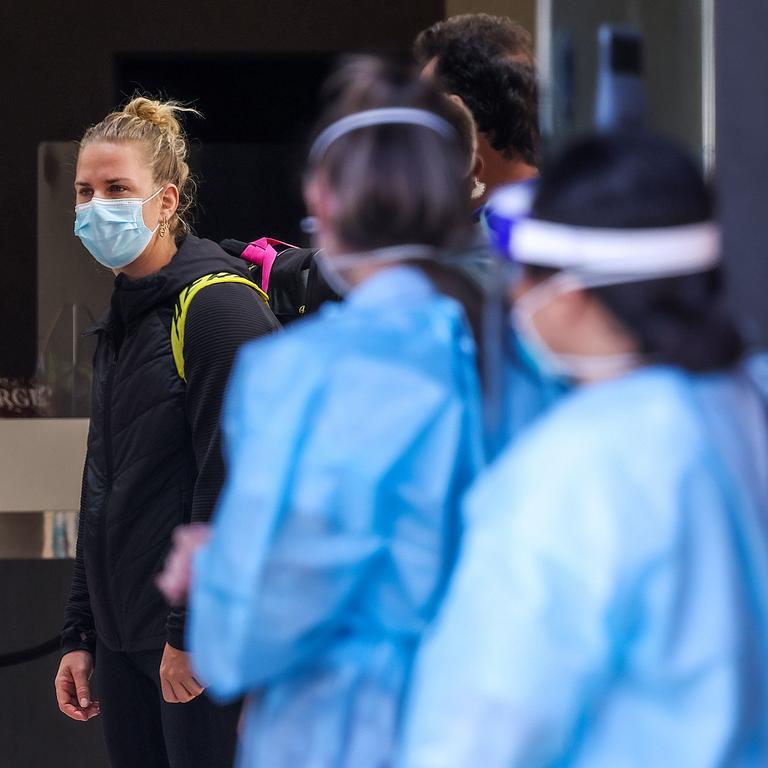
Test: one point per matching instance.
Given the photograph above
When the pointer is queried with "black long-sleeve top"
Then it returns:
(154, 454)
(220, 320)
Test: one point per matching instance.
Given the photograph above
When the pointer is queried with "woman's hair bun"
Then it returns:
(162, 114)
(156, 126)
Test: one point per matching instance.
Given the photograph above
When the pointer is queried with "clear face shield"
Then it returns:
(558, 364)
(592, 258)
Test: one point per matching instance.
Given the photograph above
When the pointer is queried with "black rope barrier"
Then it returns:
(30, 654)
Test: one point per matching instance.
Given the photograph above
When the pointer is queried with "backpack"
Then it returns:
(181, 309)
(288, 275)
(288, 281)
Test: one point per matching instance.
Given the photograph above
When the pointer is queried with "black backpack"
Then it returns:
(287, 274)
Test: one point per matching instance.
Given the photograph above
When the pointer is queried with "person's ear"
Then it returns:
(313, 198)
(320, 200)
(321, 206)
(169, 201)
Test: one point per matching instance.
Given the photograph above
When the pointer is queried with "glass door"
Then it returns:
(678, 63)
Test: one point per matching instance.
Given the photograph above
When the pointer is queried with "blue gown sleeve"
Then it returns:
(323, 490)
(264, 592)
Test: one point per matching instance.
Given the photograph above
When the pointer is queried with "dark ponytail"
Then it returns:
(400, 184)
(397, 183)
(640, 181)
(678, 321)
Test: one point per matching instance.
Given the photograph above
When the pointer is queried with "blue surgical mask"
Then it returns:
(533, 358)
(558, 365)
(114, 231)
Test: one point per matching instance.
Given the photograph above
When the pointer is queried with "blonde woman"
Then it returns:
(153, 448)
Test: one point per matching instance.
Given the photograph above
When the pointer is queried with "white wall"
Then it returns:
(41, 464)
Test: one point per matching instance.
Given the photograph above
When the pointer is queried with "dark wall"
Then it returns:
(742, 155)
(248, 149)
(59, 61)
(33, 733)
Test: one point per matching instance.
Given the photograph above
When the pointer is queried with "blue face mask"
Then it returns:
(114, 231)
(533, 359)
(567, 368)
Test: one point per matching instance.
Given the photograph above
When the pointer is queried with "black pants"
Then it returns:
(143, 731)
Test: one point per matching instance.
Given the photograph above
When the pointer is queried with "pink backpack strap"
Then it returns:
(262, 252)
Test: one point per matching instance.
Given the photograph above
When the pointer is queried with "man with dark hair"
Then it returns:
(498, 33)
(487, 63)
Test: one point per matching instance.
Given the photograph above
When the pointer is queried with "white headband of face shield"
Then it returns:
(331, 267)
(620, 255)
(593, 258)
(383, 116)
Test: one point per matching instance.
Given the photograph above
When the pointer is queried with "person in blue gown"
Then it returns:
(610, 605)
(350, 441)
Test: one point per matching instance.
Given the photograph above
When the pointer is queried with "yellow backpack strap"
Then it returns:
(182, 307)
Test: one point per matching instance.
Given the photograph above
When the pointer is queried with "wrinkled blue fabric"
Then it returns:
(529, 392)
(517, 391)
(610, 607)
(350, 440)
(757, 368)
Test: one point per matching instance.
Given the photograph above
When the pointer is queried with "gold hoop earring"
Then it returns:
(163, 231)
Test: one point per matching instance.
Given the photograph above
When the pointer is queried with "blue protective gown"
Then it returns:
(350, 440)
(528, 392)
(610, 606)
(517, 391)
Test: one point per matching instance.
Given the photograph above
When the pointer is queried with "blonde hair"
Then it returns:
(154, 125)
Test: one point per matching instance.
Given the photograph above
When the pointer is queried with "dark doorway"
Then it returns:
(249, 148)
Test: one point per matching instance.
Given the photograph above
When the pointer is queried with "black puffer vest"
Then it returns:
(140, 469)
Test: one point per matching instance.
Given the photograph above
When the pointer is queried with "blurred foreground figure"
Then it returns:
(350, 440)
(610, 607)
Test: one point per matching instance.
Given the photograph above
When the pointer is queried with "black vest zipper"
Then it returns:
(102, 542)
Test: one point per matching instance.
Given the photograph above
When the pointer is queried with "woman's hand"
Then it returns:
(175, 579)
(176, 679)
(73, 690)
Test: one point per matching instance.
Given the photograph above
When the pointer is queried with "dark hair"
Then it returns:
(638, 181)
(488, 62)
(501, 94)
(399, 184)
(499, 35)
(394, 184)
